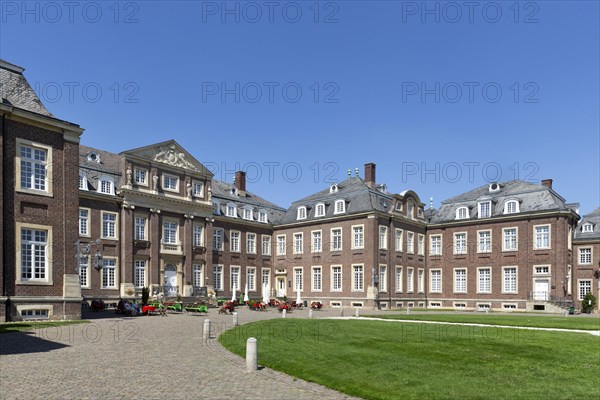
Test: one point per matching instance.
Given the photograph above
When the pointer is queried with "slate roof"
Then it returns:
(592, 218)
(106, 163)
(354, 191)
(16, 91)
(531, 197)
(221, 191)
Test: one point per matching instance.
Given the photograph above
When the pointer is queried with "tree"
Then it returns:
(588, 304)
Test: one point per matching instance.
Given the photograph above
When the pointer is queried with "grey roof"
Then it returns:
(354, 191)
(591, 218)
(16, 91)
(531, 197)
(105, 163)
(222, 192)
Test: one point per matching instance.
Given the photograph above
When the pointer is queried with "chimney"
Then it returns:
(240, 181)
(370, 175)
(547, 183)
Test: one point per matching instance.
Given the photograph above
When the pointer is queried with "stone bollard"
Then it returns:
(283, 313)
(310, 313)
(251, 355)
(341, 312)
(407, 310)
(487, 310)
(206, 329)
(356, 313)
(566, 312)
(236, 322)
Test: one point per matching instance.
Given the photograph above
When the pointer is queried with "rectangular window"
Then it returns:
(585, 287)
(281, 245)
(358, 237)
(383, 237)
(460, 243)
(33, 167)
(435, 245)
(410, 288)
(436, 281)
(218, 277)
(35, 254)
(197, 275)
(398, 239)
(484, 284)
(109, 225)
(198, 189)
(485, 242)
(421, 245)
(357, 278)
(198, 236)
(218, 239)
(399, 279)
(298, 279)
(585, 255)
(510, 242)
(251, 243)
(170, 232)
(420, 281)
(266, 277)
(298, 243)
(510, 280)
(336, 277)
(541, 270)
(109, 273)
(262, 216)
(84, 271)
(248, 214)
(84, 222)
(542, 237)
(266, 245)
(140, 228)
(460, 280)
(234, 282)
(231, 210)
(317, 279)
(140, 176)
(170, 182)
(336, 239)
(234, 241)
(485, 209)
(251, 278)
(410, 242)
(383, 278)
(106, 185)
(317, 241)
(139, 274)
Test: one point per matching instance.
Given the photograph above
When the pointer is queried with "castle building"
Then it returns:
(155, 217)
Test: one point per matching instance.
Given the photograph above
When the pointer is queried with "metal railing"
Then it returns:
(545, 296)
(168, 290)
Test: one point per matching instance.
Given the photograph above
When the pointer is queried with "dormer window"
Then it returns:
(334, 188)
(320, 210)
(93, 157)
(587, 228)
(262, 216)
(106, 185)
(382, 188)
(301, 213)
(248, 213)
(340, 207)
(511, 207)
(411, 211)
(462, 213)
(231, 210)
(217, 208)
(83, 182)
(233, 191)
(420, 212)
(399, 206)
(494, 187)
(485, 209)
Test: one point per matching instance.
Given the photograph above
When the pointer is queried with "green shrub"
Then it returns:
(588, 304)
(145, 295)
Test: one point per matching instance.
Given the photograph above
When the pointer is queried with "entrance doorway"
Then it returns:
(540, 289)
(170, 280)
(281, 286)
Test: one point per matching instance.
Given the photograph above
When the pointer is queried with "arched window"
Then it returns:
(511, 207)
(462, 213)
(106, 185)
(83, 182)
(340, 207)
(320, 210)
(301, 213)
(231, 210)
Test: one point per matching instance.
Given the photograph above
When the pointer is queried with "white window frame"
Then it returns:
(105, 273)
(298, 243)
(462, 212)
(320, 210)
(281, 245)
(420, 280)
(484, 206)
(505, 237)
(335, 245)
(383, 234)
(480, 288)
(581, 289)
(410, 242)
(235, 278)
(251, 278)
(84, 271)
(316, 284)
(432, 282)
(334, 274)
(170, 222)
(483, 245)
(383, 283)
(301, 213)
(46, 247)
(456, 283)
(420, 244)
(399, 239)
(460, 250)
(316, 242)
(505, 289)
(85, 232)
(358, 237)
(266, 275)
(435, 245)
(251, 242)
(410, 280)
(136, 227)
(198, 235)
(140, 265)
(589, 255)
(231, 210)
(235, 239)
(298, 279)
(587, 228)
(198, 275)
(263, 217)
(398, 278)
(511, 203)
(110, 181)
(541, 269)
(197, 189)
(47, 167)
(116, 225)
(83, 180)
(218, 278)
(265, 244)
(535, 237)
(358, 285)
(248, 213)
(339, 207)
(170, 177)
(218, 240)
(136, 172)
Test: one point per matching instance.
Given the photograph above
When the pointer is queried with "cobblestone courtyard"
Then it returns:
(150, 357)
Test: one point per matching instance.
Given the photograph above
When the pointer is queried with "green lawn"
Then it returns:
(538, 321)
(382, 360)
(27, 326)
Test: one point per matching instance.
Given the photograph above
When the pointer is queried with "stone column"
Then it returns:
(126, 251)
(154, 234)
(188, 254)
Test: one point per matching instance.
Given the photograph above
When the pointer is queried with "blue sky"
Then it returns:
(442, 96)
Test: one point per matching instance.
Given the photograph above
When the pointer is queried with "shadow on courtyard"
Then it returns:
(26, 342)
